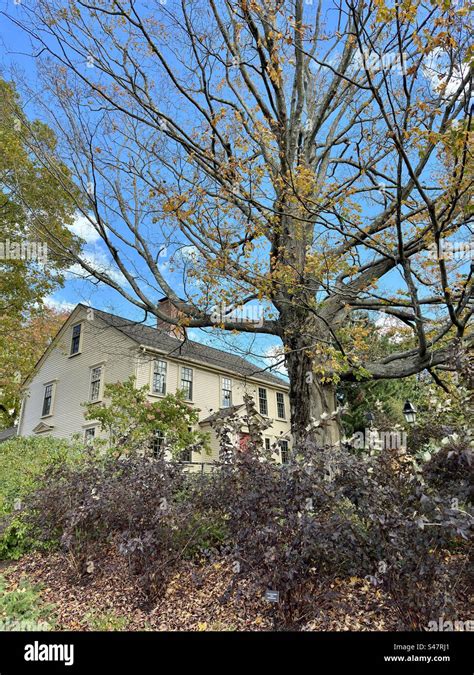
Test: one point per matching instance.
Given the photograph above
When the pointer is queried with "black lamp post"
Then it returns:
(409, 411)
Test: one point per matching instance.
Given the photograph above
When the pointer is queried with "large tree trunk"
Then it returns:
(310, 396)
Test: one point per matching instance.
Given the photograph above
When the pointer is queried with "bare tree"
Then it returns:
(314, 156)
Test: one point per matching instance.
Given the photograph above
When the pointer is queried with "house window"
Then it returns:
(262, 401)
(267, 444)
(158, 443)
(96, 376)
(89, 435)
(187, 382)
(226, 392)
(281, 405)
(47, 400)
(76, 339)
(186, 455)
(159, 377)
(285, 452)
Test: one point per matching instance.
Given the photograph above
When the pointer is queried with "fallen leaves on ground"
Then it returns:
(197, 598)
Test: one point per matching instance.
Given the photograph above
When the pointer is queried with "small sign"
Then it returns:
(272, 596)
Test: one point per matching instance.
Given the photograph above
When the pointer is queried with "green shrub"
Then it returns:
(286, 527)
(22, 608)
(23, 462)
(210, 533)
(14, 540)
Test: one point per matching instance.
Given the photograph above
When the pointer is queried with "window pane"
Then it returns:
(158, 443)
(159, 377)
(186, 455)
(285, 453)
(96, 374)
(226, 392)
(48, 397)
(262, 401)
(89, 435)
(76, 339)
(187, 382)
(281, 405)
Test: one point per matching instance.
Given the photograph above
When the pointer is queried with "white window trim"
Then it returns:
(181, 367)
(221, 391)
(266, 400)
(282, 419)
(162, 436)
(53, 399)
(101, 365)
(151, 376)
(81, 337)
(281, 449)
(86, 428)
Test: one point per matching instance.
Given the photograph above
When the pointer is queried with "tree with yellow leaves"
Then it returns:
(314, 156)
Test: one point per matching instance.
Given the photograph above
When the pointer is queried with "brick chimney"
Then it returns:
(166, 306)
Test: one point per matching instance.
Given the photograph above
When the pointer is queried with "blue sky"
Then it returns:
(17, 64)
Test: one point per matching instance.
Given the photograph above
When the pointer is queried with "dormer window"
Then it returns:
(76, 339)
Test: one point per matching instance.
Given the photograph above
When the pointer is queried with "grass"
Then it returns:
(23, 609)
(105, 621)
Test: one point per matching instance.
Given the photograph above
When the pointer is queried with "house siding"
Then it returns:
(99, 344)
(122, 357)
(207, 394)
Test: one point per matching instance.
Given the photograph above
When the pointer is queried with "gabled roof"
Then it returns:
(226, 412)
(187, 349)
(41, 427)
(222, 413)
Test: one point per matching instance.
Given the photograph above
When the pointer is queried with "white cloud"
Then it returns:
(58, 305)
(436, 68)
(92, 253)
(394, 328)
(188, 254)
(99, 261)
(274, 355)
(83, 228)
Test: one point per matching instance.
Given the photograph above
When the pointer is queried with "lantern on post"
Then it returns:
(409, 411)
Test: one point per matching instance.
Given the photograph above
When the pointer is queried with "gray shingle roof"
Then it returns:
(194, 351)
(7, 433)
